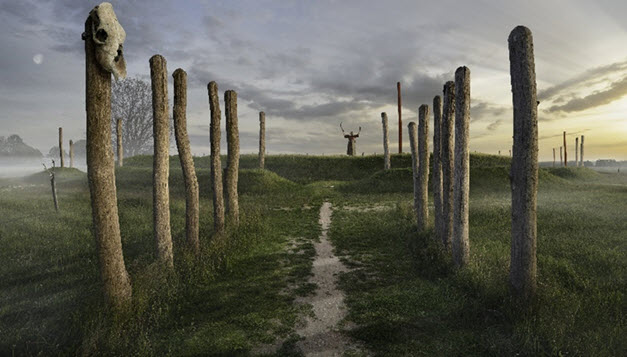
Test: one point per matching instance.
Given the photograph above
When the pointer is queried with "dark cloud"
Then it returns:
(578, 81)
(615, 91)
(494, 125)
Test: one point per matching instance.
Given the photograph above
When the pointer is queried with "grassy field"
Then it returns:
(402, 292)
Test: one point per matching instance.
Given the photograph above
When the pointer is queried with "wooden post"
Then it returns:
(386, 150)
(53, 185)
(232, 168)
(448, 162)
(161, 161)
(524, 170)
(423, 167)
(565, 154)
(561, 156)
(461, 244)
(400, 120)
(437, 165)
(101, 175)
(415, 164)
(553, 157)
(216, 164)
(187, 161)
(581, 152)
(71, 154)
(61, 147)
(577, 151)
(118, 134)
(262, 140)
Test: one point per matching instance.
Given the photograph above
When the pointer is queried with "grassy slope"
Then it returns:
(239, 294)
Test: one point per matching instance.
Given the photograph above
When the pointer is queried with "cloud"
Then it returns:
(616, 91)
(495, 124)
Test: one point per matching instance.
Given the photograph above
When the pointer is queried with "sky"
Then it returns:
(311, 65)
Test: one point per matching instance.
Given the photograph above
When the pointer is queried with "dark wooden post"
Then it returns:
(400, 120)
(262, 140)
(386, 149)
(577, 151)
(437, 165)
(553, 157)
(71, 154)
(187, 161)
(232, 168)
(565, 152)
(61, 147)
(415, 164)
(448, 162)
(461, 244)
(581, 152)
(524, 170)
(423, 167)
(216, 164)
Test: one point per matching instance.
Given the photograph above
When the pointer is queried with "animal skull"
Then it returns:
(109, 36)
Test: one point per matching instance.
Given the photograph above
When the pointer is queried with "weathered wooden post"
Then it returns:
(561, 156)
(461, 245)
(190, 180)
(423, 167)
(232, 167)
(577, 151)
(415, 165)
(386, 150)
(100, 163)
(565, 154)
(118, 134)
(71, 154)
(61, 147)
(581, 152)
(448, 162)
(216, 164)
(262, 140)
(553, 157)
(400, 120)
(53, 185)
(524, 169)
(161, 160)
(437, 165)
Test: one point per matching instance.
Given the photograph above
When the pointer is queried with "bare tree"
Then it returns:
(131, 101)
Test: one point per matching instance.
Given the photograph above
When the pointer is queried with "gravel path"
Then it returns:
(320, 334)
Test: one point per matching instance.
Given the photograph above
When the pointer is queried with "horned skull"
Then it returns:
(109, 36)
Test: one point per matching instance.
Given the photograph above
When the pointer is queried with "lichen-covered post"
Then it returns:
(100, 162)
(161, 161)
(524, 170)
(61, 147)
(577, 151)
(386, 142)
(118, 134)
(232, 167)
(581, 152)
(187, 161)
(565, 153)
(216, 164)
(415, 165)
(400, 120)
(71, 154)
(461, 244)
(262, 140)
(553, 157)
(423, 166)
(437, 165)
(447, 152)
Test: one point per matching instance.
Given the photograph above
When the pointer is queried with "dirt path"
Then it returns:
(321, 337)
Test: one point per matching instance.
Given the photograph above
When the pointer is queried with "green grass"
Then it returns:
(239, 292)
(407, 299)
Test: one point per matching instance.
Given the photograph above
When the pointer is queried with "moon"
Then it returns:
(38, 58)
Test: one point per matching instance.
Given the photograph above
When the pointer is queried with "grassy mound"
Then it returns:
(384, 181)
(257, 182)
(574, 173)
